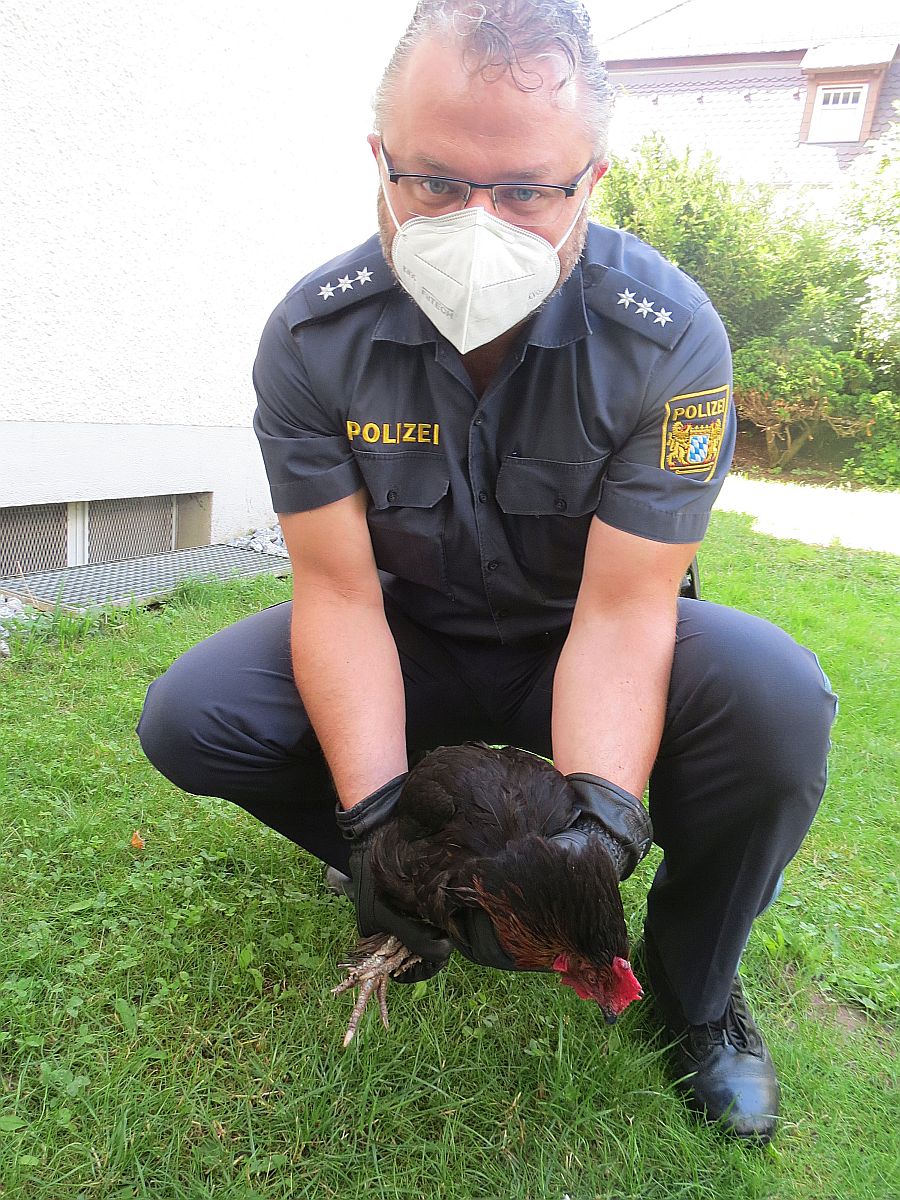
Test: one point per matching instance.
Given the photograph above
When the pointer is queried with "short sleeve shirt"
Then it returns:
(614, 403)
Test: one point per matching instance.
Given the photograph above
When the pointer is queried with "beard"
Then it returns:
(386, 230)
(569, 253)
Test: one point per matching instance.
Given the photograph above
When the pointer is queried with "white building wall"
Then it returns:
(138, 460)
(170, 170)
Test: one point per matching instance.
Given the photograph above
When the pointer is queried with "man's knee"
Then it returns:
(169, 734)
(226, 715)
(771, 694)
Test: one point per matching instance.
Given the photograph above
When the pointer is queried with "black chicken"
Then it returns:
(478, 831)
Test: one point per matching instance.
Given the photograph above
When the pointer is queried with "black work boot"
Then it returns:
(723, 1066)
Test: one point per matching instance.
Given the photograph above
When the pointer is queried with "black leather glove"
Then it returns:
(477, 941)
(605, 810)
(373, 914)
(624, 824)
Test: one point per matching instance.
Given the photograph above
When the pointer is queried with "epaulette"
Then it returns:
(338, 288)
(634, 304)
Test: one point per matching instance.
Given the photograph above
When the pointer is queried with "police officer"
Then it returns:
(494, 434)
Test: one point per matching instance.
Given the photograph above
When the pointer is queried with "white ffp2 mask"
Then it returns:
(474, 275)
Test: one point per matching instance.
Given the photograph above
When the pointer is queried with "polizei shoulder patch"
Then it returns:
(693, 427)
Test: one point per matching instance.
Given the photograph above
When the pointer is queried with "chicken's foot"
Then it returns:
(372, 964)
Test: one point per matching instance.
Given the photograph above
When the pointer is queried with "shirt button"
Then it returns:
(560, 504)
(391, 496)
(482, 496)
(478, 420)
(493, 565)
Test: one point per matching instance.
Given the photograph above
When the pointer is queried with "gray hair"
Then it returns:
(499, 36)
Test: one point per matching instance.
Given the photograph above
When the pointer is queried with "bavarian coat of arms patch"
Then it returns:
(693, 427)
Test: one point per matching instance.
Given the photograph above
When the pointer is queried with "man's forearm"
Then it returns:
(348, 675)
(609, 693)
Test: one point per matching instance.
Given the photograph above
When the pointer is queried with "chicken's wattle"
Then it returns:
(613, 988)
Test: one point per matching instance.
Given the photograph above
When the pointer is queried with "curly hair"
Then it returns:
(500, 36)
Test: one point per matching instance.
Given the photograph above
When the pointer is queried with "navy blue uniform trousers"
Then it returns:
(740, 772)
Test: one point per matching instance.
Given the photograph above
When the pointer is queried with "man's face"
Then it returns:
(445, 121)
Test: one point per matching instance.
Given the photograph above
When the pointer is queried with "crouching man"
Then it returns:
(494, 433)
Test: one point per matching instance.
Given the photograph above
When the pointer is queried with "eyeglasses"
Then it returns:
(529, 204)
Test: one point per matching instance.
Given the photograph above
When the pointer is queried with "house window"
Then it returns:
(46, 537)
(837, 114)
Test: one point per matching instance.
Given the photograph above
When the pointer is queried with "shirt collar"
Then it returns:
(403, 321)
(560, 321)
(563, 318)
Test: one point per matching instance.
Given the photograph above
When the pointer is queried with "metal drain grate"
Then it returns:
(137, 580)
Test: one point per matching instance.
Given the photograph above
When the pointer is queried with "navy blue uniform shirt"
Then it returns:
(615, 401)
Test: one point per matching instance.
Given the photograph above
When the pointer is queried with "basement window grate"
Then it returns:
(33, 537)
(130, 528)
(43, 537)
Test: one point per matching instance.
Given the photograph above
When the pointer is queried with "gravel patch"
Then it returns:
(269, 540)
(12, 613)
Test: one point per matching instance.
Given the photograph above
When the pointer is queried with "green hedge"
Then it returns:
(796, 294)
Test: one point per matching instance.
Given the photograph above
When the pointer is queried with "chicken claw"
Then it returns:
(371, 965)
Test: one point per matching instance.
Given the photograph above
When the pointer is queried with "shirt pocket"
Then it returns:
(549, 506)
(407, 514)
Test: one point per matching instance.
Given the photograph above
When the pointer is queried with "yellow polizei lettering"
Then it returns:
(390, 433)
(712, 408)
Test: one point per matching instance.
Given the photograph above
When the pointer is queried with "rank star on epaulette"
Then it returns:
(626, 298)
(340, 285)
(635, 304)
(345, 283)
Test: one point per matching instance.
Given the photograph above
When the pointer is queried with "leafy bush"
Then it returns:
(812, 308)
(871, 213)
(877, 458)
(762, 268)
(792, 390)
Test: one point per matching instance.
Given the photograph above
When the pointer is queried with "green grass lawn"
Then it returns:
(166, 1027)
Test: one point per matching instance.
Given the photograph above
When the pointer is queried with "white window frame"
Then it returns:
(78, 533)
(841, 121)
